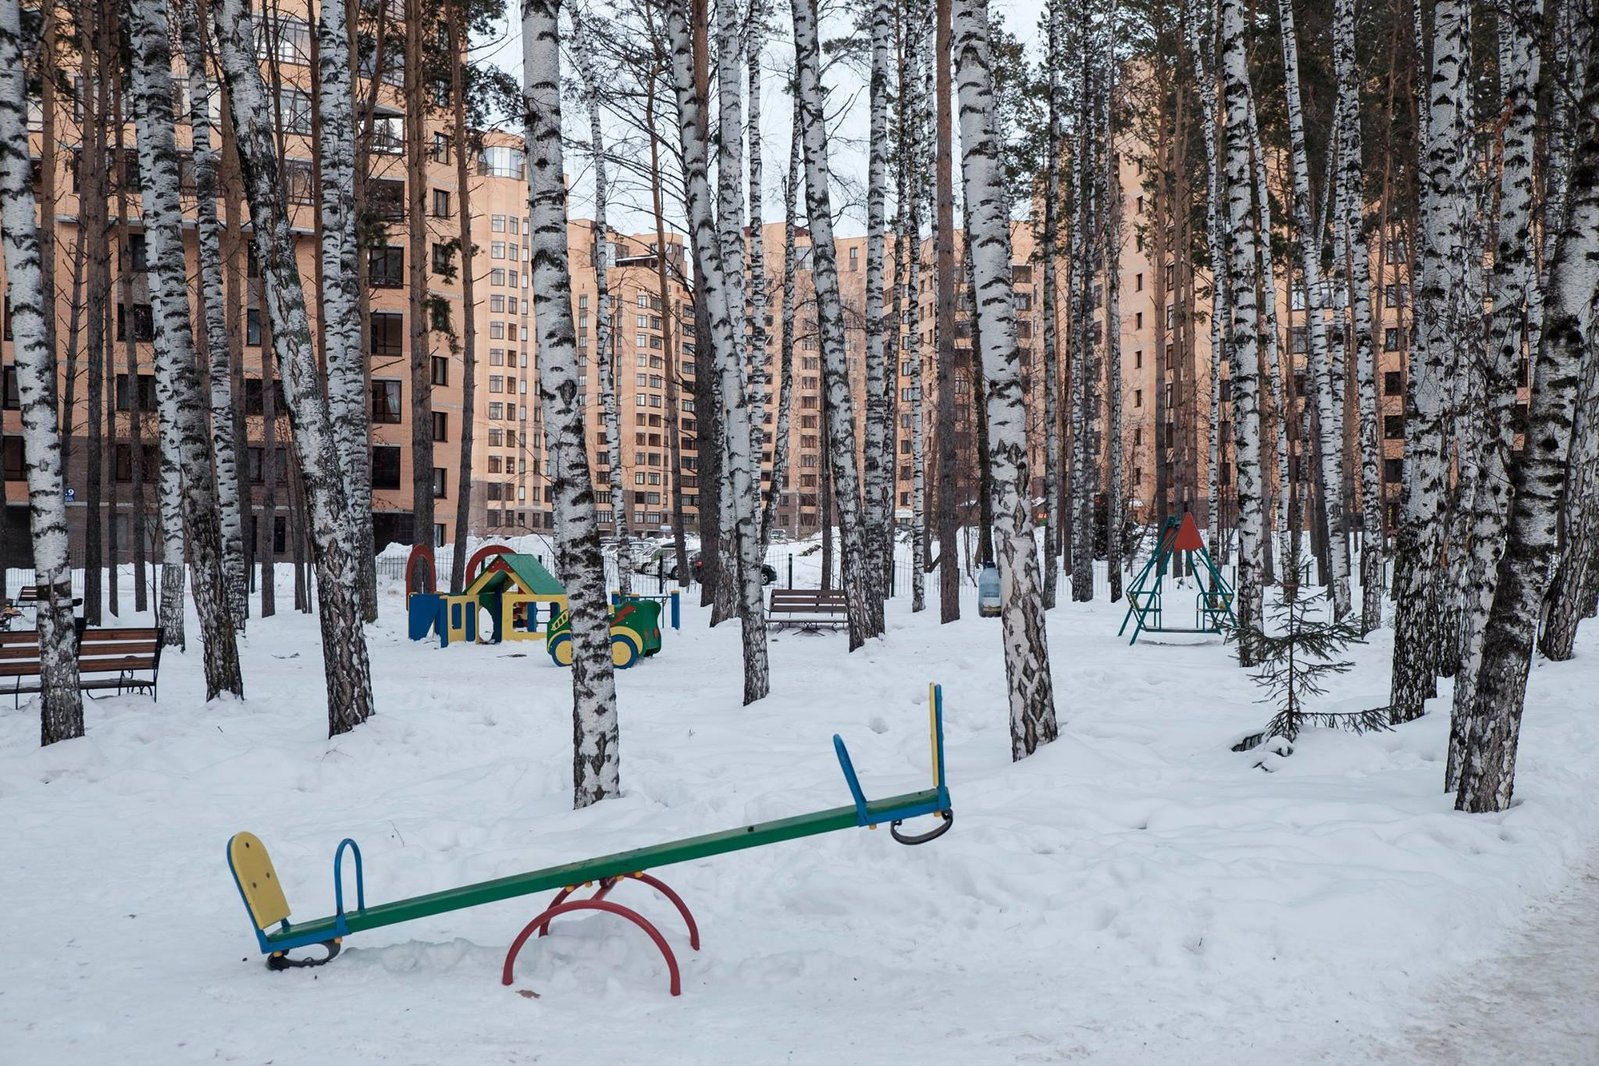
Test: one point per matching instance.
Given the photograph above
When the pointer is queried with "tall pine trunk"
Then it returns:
(948, 500)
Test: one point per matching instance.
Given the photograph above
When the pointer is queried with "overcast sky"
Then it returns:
(629, 212)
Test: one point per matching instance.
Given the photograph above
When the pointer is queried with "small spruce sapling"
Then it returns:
(1296, 661)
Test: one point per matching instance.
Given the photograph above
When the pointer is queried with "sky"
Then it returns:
(628, 211)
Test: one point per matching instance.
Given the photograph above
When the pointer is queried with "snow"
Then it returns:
(1134, 893)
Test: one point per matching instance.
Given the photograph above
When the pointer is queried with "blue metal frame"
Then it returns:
(282, 939)
(866, 817)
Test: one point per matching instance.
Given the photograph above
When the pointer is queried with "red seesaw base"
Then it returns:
(598, 902)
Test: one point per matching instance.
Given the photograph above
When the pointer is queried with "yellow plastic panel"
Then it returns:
(252, 867)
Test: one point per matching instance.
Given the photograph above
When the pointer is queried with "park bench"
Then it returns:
(119, 659)
(807, 608)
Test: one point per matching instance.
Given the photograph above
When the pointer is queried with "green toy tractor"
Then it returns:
(635, 632)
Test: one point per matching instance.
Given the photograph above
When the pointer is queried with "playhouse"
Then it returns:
(512, 587)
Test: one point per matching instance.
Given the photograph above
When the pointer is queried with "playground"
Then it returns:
(1135, 893)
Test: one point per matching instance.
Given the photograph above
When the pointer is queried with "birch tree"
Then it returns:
(838, 412)
(1329, 444)
(1027, 670)
(605, 347)
(878, 459)
(61, 704)
(1053, 61)
(1114, 494)
(208, 246)
(1084, 343)
(1490, 734)
(1244, 347)
(785, 340)
(713, 295)
(1513, 282)
(1442, 329)
(344, 654)
(345, 355)
(182, 409)
(913, 109)
(595, 762)
(1349, 152)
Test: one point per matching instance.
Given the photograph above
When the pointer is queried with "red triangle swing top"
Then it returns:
(1188, 538)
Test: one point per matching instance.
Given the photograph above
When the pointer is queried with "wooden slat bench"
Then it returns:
(807, 608)
(30, 595)
(119, 659)
(108, 659)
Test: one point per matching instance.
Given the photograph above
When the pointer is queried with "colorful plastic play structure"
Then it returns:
(635, 633)
(268, 907)
(1213, 600)
(514, 588)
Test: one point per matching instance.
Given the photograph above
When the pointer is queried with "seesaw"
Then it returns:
(263, 896)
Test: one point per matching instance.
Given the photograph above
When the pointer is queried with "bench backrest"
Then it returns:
(19, 653)
(100, 650)
(808, 600)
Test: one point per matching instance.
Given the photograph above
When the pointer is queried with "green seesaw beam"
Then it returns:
(263, 896)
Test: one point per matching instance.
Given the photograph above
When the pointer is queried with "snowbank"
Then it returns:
(1135, 893)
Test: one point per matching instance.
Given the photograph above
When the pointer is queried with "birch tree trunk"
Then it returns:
(595, 768)
(839, 410)
(1349, 152)
(1245, 260)
(1202, 43)
(345, 352)
(730, 231)
(99, 546)
(757, 381)
(186, 446)
(1054, 58)
(949, 602)
(1488, 751)
(878, 461)
(61, 705)
(1084, 357)
(208, 241)
(344, 654)
(914, 101)
(605, 346)
(742, 479)
(1027, 669)
(1445, 200)
(1513, 280)
(1113, 328)
(1329, 444)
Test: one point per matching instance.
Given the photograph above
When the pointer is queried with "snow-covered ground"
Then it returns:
(1134, 893)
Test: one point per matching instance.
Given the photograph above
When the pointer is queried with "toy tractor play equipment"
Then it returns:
(635, 633)
(1213, 600)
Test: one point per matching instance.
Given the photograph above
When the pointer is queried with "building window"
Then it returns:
(385, 466)
(1138, 397)
(1393, 382)
(441, 199)
(502, 161)
(1392, 339)
(444, 259)
(1393, 471)
(388, 333)
(441, 370)
(296, 107)
(146, 397)
(385, 401)
(1393, 427)
(441, 485)
(441, 427)
(441, 154)
(385, 266)
(143, 322)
